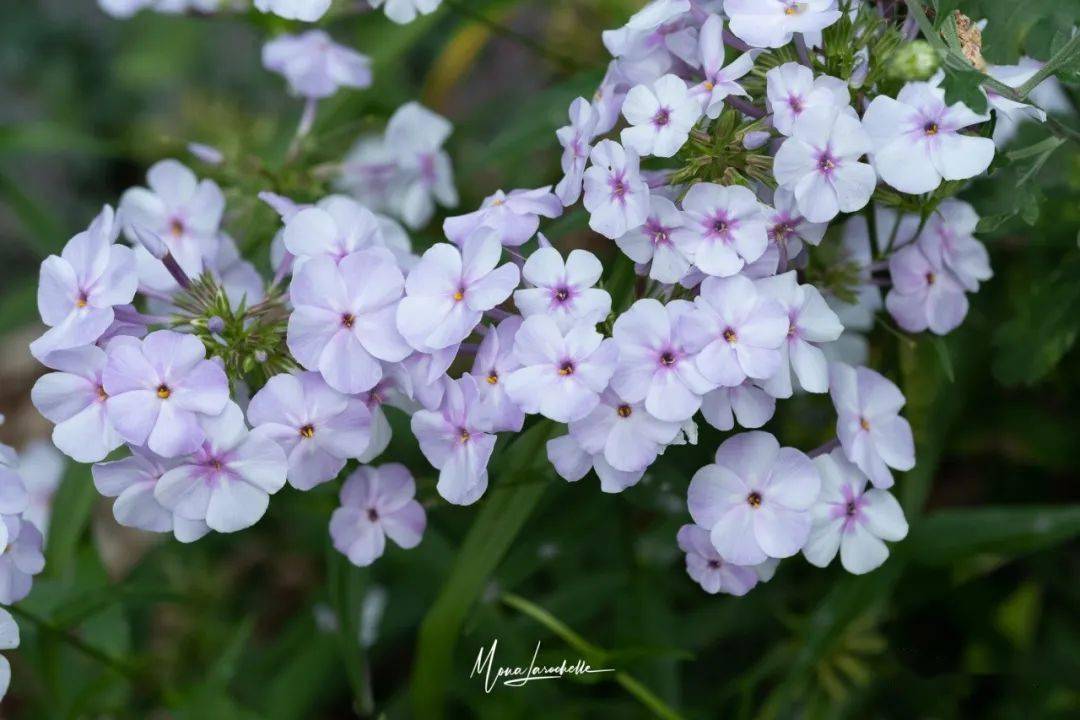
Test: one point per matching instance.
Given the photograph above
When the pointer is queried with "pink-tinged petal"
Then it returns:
(752, 405)
(715, 258)
(545, 268)
(175, 433)
(493, 288)
(794, 160)
(310, 465)
(568, 458)
(60, 395)
(877, 394)
(758, 363)
(894, 443)
(854, 184)
(713, 491)
(463, 479)
(479, 256)
(347, 366)
(235, 505)
(312, 232)
(172, 181)
(172, 354)
(671, 400)
(909, 311)
(438, 273)
(119, 281)
(860, 551)
(780, 532)
(378, 333)
(719, 363)
(406, 525)
(794, 482)
(87, 436)
(583, 269)
(734, 538)
(750, 455)
(816, 197)
(188, 531)
(310, 330)
(346, 433)
(945, 309)
(134, 414)
(372, 278)
(362, 541)
(456, 325)
(184, 490)
(612, 480)
(260, 462)
(138, 508)
(883, 515)
(823, 542)
(203, 390)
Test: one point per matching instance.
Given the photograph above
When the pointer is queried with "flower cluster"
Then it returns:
(399, 11)
(757, 163)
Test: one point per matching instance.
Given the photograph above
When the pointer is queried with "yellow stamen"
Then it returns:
(307, 431)
(459, 296)
(164, 392)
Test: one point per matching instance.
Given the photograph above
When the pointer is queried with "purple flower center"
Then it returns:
(754, 500)
(82, 300)
(427, 168)
(102, 395)
(561, 294)
(668, 358)
(373, 515)
(618, 187)
(463, 435)
(930, 278)
(658, 234)
(930, 129)
(347, 320)
(566, 367)
(781, 230)
(731, 336)
(826, 163)
(662, 117)
(795, 103)
(714, 564)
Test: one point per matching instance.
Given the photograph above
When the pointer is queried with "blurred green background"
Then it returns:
(975, 615)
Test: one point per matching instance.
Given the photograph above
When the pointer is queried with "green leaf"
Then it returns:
(71, 515)
(965, 85)
(500, 519)
(948, 536)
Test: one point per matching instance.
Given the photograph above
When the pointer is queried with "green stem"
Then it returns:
(70, 638)
(1061, 57)
(564, 62)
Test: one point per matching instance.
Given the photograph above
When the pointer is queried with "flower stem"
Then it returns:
(120, 666)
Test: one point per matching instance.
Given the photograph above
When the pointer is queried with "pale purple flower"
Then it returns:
(652, 35)
(1047, 96)
(705, 566)
(949, 239)
(206, 153)
(572, 462)
(80, 287)
(563, 291)
(723, 228)
(616, 196)
(74, 398)
(748, 403)
(851, 519)
(314, 65)
(868, 424)
(21, 559)
(627, 436)
(414, 139)
(405, 11)
(179, 209)
(771, 23)
(42, 467)
(158, 389)
(457, 441)
(495, 360)
(924, 295)
(335, 227)
(14, 501)
(576, 139)
(227, 482)
(792, 90)
(719, 80)
(755, 500)
(343, 321)
(810, 323)
(514, 217)
(608, 99)
(9, 640)
(788, 228)
(743, 331)
(658, 345)
(317, 427)
(376, 503)
(132, 481)
(305, 10)
(562, 373)
(820, 164)
(660, 117)
(654, 242)
(448, 291)
(917, 141)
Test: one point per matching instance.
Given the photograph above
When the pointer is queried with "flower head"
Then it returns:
(576, 139)
(514, 216)
(792, 90)
(305, 10)
(626, 434)
(563, 291)
(335, 227)
(405, 11)
(654, 242)
(376, 503)
(422, 173)
(708, 569)
(21, 559)
(719, 80)
(616, 196)
(949, 239)
(495, 360)
(925, 295)
(771, 23)
(723, 228)
(660, 117)
(314, 65)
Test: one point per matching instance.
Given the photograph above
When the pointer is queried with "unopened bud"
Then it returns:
(215, 324)
(207, 153)
(915, 61)
(152, 242)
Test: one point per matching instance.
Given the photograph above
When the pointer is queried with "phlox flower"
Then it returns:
(9, 640)
(654, 242)
(14, 500)
(576, 139)
(317, 427)
(743, 330)
(868, 425)
(652, 35)
(747, 402)
(305, 10)
(616, 196)
(562, 373)
(771, 23)
(376, 503)
(705, 566)
(820, 164)
(924, 295)
(755, 500)
(1047, 96)
(343, 318)
(414, 138)
(660, 117)
(627, 436)
(335, 227)
(917, 141)
(457, 441)
(21, 559)
(74, 398)
(658, 345)
(791, 90)
(132, 481)
(159, 387)
(723, 228)
(405, 11)
(851, 519)
(949, 239)
(788, 228)
(314, 65)
(80, 287)
(719, 79)
(184, 212)
(227, 482)
(448, 291)
(572, 462)
(563, 291)
(495, 360)
(514, 216)
(810, 322)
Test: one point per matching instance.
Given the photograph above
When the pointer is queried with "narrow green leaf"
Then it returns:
(502, 516)
(71, 515)
(951, 535)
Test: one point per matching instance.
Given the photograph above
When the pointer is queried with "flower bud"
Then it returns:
(153, 244)
(215, 324)
(915, 61)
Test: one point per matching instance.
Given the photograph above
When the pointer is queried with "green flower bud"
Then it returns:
(916, 60)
